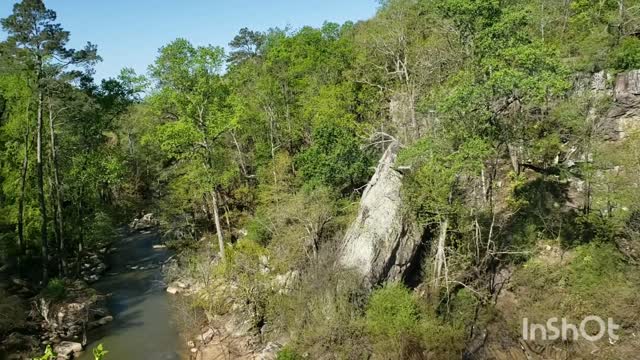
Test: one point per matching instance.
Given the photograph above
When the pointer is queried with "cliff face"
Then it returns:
(381, 243)
(625, 114)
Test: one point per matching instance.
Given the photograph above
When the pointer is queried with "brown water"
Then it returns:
(143, 328)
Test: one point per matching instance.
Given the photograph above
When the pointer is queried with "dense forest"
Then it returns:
(511, 125)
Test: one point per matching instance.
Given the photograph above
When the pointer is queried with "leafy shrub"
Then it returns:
(99, 352)
(593, 279)
(323, 312)
(391, 320)
(446, 338)
(391, 311)
(257, 231)
(56, 290)
(626, 55)
(334, 159)
(48, 354)
(287, 353)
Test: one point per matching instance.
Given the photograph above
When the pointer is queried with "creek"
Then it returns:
(143, 327)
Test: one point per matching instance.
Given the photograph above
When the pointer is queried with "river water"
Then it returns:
(143, 328)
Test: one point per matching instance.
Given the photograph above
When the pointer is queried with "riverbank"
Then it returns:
(58, 315)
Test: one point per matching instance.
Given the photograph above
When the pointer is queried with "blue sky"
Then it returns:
(129, 32)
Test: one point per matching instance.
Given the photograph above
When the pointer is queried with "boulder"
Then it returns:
(269, 352)
(67, 348)
(147, 221)
(173, 290)
(207, 336)
(381, 243)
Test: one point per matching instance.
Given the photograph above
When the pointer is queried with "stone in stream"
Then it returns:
(67, 348)
(173, 290)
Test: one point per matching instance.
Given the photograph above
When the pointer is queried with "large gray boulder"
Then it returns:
(381, 243)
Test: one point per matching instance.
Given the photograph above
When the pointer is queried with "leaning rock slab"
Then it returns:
(381, 243)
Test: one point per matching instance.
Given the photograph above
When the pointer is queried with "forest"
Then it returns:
(509, 129)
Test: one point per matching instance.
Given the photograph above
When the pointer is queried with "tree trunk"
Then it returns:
(216, 217)
(41, 198)
(243, 167)
(513, 155)
(57, 190)
(23, 183)
(80, 231)
(440, 252)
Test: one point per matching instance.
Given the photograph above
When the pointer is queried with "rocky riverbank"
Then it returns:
(60, 315)
(234, 333)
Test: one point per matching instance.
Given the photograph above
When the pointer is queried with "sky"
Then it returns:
(130, 32)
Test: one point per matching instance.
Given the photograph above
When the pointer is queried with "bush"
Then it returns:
(323, 312)
(288, 353)
(257, 231)
(56, 290)
(626, 55)
(593, 279)
(335, 159)
(391, 320)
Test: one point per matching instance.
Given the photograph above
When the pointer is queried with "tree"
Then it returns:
(248, 44)
(32, 29)
(192, 95)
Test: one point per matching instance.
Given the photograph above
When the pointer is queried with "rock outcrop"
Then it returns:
(381, 243)
(67, 349)
(68, 319)
(147, 221)
(624, 116)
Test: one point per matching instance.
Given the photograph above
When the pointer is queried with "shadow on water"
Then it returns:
(143, 327)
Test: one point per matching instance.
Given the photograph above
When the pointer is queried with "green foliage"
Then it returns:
(334, 159)
(56, 290)
(392, 312)
(438, 173)
(593, 280)
(48, 354)
(99, 353)
(626, 55)
(288, 353)
(478, 92)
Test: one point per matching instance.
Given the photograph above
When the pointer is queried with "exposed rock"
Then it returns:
(101, 322)
(67, 348)
(625, 114)
(147, 221)
(284, 282)
(381, 243)
(207, 336)
(173, 290)
(67, 319)
(269, 352)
